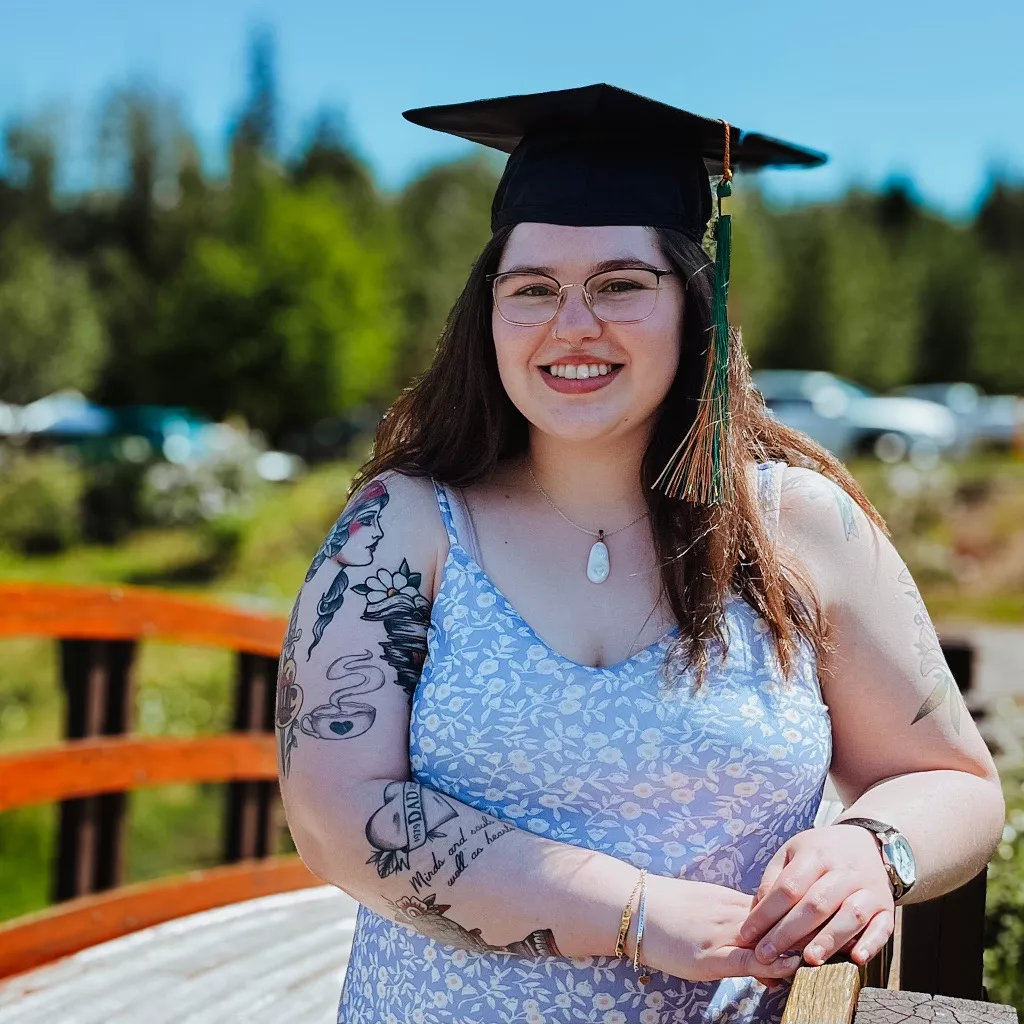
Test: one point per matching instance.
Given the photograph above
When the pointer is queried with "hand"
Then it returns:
(825, 890)
(692, 932)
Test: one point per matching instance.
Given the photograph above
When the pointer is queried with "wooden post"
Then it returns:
(943, 944)
(250, 805)
(97, 679)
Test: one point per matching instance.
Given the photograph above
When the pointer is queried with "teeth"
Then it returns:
(578, 371)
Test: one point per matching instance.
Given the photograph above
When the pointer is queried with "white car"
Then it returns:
(848, 419)
(995, 421)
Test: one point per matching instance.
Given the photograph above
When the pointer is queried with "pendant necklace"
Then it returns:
(598, 563)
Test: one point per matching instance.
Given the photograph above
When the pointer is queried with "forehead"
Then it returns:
(563, 246)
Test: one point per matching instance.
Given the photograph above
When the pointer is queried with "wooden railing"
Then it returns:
(936, 949)
(98, 629)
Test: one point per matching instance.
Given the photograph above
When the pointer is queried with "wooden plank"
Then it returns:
(883, 1006)
(275, 960)
(943, 942)
(96, 676)
(118, 763)
(36, 939)
(249, 811)
(823, 995)
(134, 613)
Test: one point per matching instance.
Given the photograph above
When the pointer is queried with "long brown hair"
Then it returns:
(455, 422)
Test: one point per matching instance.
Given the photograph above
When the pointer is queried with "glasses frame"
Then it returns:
(587, 297)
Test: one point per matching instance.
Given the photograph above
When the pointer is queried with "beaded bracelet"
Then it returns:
(627, 916)
(644, 977)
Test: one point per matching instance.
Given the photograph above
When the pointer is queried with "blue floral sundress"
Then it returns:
(704, 787)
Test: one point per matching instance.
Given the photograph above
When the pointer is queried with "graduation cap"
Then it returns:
(600, 155)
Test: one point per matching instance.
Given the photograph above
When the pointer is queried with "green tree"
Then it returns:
(443, 221)
(51, 336)
(288, 318)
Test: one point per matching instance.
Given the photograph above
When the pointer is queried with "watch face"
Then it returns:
(902, 859)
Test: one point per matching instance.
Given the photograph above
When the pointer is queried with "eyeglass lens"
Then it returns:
(618, 296)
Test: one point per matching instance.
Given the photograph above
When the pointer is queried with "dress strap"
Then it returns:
(451, 503)
(769, 492)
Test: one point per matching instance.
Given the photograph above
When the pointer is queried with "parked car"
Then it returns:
(848, 419)
(983, 421)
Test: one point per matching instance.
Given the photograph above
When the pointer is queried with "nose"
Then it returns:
(574, 320)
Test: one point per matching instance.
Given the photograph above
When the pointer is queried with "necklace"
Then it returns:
(598, 563)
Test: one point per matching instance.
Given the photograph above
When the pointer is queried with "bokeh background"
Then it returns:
(223, 251)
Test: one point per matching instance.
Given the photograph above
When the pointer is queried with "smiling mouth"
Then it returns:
(580, 371)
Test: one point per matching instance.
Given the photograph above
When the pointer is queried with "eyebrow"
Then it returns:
(617, 263)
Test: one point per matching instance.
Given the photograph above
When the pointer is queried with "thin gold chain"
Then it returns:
(600, 533)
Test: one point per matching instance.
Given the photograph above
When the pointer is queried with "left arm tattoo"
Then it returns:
(933, 662)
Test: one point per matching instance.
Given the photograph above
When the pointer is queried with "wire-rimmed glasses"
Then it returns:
(622, 296)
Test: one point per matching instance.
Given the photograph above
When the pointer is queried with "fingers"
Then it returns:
(818, 904)
(875, 936)
(789, 889)
(771, 872)
(742, 962)
(858, 911)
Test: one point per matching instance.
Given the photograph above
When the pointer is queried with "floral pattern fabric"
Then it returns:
(704, 787)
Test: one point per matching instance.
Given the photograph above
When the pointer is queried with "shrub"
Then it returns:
(40, 497)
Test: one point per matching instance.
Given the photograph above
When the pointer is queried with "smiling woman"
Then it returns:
(585, 789)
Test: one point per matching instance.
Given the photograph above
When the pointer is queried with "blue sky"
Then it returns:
(933, 92)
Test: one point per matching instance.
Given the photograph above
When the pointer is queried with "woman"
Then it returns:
(630, 699)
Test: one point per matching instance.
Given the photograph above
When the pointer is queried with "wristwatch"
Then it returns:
(897, 856)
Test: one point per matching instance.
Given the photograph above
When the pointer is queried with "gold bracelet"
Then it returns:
(645, 977)
(627, 915)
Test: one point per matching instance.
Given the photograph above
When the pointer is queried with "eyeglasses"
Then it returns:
(620, 296)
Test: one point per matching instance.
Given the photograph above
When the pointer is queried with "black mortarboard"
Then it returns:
(602, 155)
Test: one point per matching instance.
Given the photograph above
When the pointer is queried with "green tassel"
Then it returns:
(699, 469)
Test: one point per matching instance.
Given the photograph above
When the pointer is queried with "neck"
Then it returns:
(595, 485)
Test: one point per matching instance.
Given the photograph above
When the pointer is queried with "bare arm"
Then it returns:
(354, 649)
(905, 749)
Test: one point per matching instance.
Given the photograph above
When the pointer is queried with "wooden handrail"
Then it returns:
(119, 763)
(823, 995)
(68, 927)
(134, 613)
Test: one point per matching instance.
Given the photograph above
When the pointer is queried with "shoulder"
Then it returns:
(402, 514)
(826, 528)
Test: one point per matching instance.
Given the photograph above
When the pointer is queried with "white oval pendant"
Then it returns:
(598, 566)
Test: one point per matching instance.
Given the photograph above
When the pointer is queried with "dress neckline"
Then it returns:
(510, 609)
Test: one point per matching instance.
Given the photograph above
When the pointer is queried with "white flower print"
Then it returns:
(603, 1001)
(600, 759)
